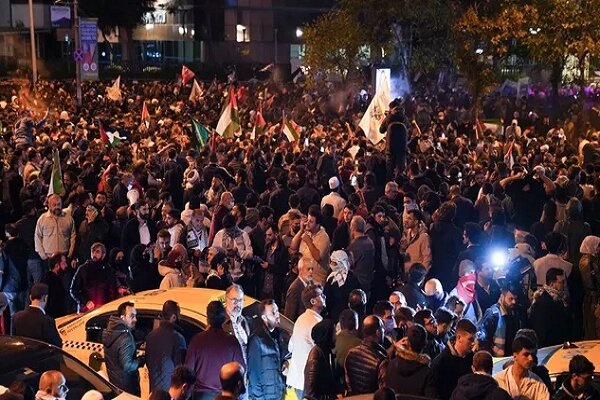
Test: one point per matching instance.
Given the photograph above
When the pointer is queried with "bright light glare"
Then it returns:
(299, 32)
(499, 258)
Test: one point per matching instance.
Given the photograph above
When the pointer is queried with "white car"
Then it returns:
(82, 333)
(556, 358)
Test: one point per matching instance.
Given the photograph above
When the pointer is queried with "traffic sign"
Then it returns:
(78, 55)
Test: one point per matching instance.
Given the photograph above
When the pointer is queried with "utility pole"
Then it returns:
(77, 44)
(32, 40)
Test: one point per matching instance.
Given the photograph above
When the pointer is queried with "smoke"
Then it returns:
(399, 85)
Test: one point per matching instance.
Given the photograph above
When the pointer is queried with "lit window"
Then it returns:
(242, 33)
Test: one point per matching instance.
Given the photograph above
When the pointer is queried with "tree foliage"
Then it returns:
(334, 43)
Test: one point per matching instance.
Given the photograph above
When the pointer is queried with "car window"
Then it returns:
(28, 368)
(95, 326)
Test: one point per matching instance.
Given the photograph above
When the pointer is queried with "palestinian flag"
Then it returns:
(289, 128)
(111, 138)
(229, 123)
(56, 182)
(259, 124)
(199, 135)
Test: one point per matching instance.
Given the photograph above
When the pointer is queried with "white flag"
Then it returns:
(196, 93)
(114, 92)
(375, 113)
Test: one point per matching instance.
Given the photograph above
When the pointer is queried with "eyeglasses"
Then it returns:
(236, 300)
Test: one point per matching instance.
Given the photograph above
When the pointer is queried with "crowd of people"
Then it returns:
(405, 264)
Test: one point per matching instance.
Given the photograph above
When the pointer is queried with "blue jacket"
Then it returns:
(266, 353)
(165, 349)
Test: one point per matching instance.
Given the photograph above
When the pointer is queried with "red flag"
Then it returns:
(145, 113)
(186, 75)
(233, 99)
(103, 134)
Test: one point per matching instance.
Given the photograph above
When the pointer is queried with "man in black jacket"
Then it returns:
(266, 354)
(548, 315)
(165, 347)
(119, 350)
(480, 384)
(408, 371)
(396, 138)
(455, 360)
(139, 229)
(33, 321)
(364, 362)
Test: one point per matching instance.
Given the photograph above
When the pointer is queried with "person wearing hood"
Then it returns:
(172, 268)
(408, 371)
(95, 282)
(578, 384)
(340, 282)
(319, 371)
(588, 274)
(116, 259)
(548, 314)
(415, 242)
(120, 351)
(165, 347)
(363, 364)
(480, 384)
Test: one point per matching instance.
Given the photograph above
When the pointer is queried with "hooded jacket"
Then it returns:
(119, 354)
(478, 387)
(409, 373)
(173, 277)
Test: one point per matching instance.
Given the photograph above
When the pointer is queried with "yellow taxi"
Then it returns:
(82, 333)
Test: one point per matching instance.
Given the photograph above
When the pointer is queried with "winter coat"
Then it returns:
(566, 392)
(549, 319)
(337, 297)
(363, 367)
(319, 376)
(446, 244)
(119, 355)
(448, 368)
(266, 354)
(589, 270)
(409, 373)
(497, 329)
(478, 387)
(165, 349)
(94, 281)
(417, 249)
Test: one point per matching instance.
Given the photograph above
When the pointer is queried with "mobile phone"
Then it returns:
(322, 149)
(305, 142)
(353, 181)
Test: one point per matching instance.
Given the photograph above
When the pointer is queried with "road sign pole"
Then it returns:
(77, 44)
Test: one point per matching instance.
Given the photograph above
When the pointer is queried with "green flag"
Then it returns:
(199, 134)
(56, 182)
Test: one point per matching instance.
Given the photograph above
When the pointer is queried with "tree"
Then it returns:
(562, 28)
(483, 36)
(334, 43)
(122, 14)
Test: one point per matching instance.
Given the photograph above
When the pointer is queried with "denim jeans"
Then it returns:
(35, 271)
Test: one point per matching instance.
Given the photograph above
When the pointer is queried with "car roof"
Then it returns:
(193, 299)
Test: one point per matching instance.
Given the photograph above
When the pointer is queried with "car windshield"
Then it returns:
(21, 362)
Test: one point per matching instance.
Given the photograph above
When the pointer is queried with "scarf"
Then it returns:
(556, 295)
(466, 288)
(338, 276)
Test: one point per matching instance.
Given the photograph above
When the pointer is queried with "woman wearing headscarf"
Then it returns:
(116, 259)
(319, 372)
(172, 268)
(340, 282)
(589, 269)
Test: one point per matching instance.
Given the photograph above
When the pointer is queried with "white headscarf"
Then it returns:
(590, 245)
(339, 272)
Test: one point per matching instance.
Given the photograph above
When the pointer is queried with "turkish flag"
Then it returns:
(186, 75)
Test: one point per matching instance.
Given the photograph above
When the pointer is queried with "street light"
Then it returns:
(181, 30)
(32, 40)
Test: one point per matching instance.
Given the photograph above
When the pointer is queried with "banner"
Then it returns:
(60, 16)
(371, 120)
(88, 34)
